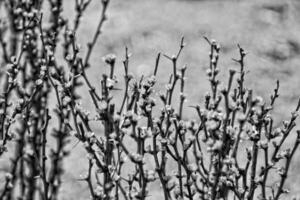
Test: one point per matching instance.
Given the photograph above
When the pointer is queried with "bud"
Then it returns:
(38, 82)
(109, 59)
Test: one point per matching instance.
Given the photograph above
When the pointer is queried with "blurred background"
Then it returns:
(269, 30)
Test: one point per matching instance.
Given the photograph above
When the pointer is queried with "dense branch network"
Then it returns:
(147, 136)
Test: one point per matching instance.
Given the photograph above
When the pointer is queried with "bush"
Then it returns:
(233, 151)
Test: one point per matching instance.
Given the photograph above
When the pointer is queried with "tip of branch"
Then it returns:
(298, 105)
(235, 60)
(182, 44)
(156, 63)
(194, 106)
(168, 57)
(207, 40)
